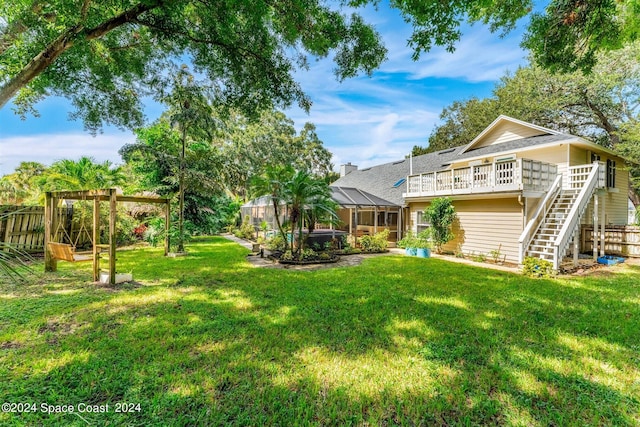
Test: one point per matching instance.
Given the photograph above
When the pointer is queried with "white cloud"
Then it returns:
(47, 148)
(479, 56)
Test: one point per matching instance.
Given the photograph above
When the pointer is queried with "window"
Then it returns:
(611, 174)
(420, 222)
(399, 183)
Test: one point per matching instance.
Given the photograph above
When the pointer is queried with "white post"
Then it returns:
(603, 221)
(595, 227)
(576, 239)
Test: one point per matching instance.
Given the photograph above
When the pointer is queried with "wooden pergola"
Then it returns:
(106, 195)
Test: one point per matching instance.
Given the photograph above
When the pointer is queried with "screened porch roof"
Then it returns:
(349, 197)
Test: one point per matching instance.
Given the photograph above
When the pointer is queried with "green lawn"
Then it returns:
(210, 340)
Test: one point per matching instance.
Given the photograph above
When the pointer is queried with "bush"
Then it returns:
(275, 243)
(154, 232)
(308, 254)
(441, 214)
(408, 241)
(537, 267)
(376, 243)
(246, 230)
(125, 228)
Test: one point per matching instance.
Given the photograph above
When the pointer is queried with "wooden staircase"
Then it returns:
(556, 222)
(541, 245)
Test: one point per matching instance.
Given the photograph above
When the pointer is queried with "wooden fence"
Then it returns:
(22, 227)
(621, 240)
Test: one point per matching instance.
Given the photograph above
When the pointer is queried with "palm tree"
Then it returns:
(272, 184)
(303, 193)
(83, 174)
(191, 112)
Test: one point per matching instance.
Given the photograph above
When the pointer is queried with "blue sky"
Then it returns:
(365, 120)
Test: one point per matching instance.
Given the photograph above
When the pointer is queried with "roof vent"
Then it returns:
(447, 151)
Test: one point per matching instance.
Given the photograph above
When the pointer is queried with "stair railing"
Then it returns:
(571, 222)
(538, 218)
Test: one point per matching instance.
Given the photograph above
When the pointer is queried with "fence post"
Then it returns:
(50, 263)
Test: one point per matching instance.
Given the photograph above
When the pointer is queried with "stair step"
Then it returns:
(540, 255)
(540, 252)
(543, 242)
(541, 249)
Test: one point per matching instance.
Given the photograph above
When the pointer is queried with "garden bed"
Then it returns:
(310, 261)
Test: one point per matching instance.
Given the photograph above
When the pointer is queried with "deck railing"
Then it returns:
(517, 174)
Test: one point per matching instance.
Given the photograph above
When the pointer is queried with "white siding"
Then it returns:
(485, 225)
(617, 200)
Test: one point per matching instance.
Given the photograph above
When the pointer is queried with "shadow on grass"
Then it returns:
(394, 341)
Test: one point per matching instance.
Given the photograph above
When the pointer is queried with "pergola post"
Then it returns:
(112, 235)
(51, 221)
(96, 238)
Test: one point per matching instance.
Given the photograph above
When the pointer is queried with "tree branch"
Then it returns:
(17, 27)
(605, 123)
(64, 42)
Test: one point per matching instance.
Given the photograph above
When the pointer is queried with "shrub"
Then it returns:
(408, 241)
(479, 258)
(376, 243)
(275, 243)
(139, 231)
(308, 254)
(287, 256)
(154, 232)
(441, 215)
(496, 254)
(246, 230)
(424, 239)
(537, 267)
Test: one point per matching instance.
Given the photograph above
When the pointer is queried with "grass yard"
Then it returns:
(209, 340)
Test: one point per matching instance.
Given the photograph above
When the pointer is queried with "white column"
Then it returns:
(595, 227)
(602, 226)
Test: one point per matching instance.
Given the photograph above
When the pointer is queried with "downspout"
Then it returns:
(524, 210)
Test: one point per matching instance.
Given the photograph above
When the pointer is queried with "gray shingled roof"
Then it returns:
(379, 180)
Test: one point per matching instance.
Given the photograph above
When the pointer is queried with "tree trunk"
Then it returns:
(276, 213)
(181, 184)
(634, 196)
